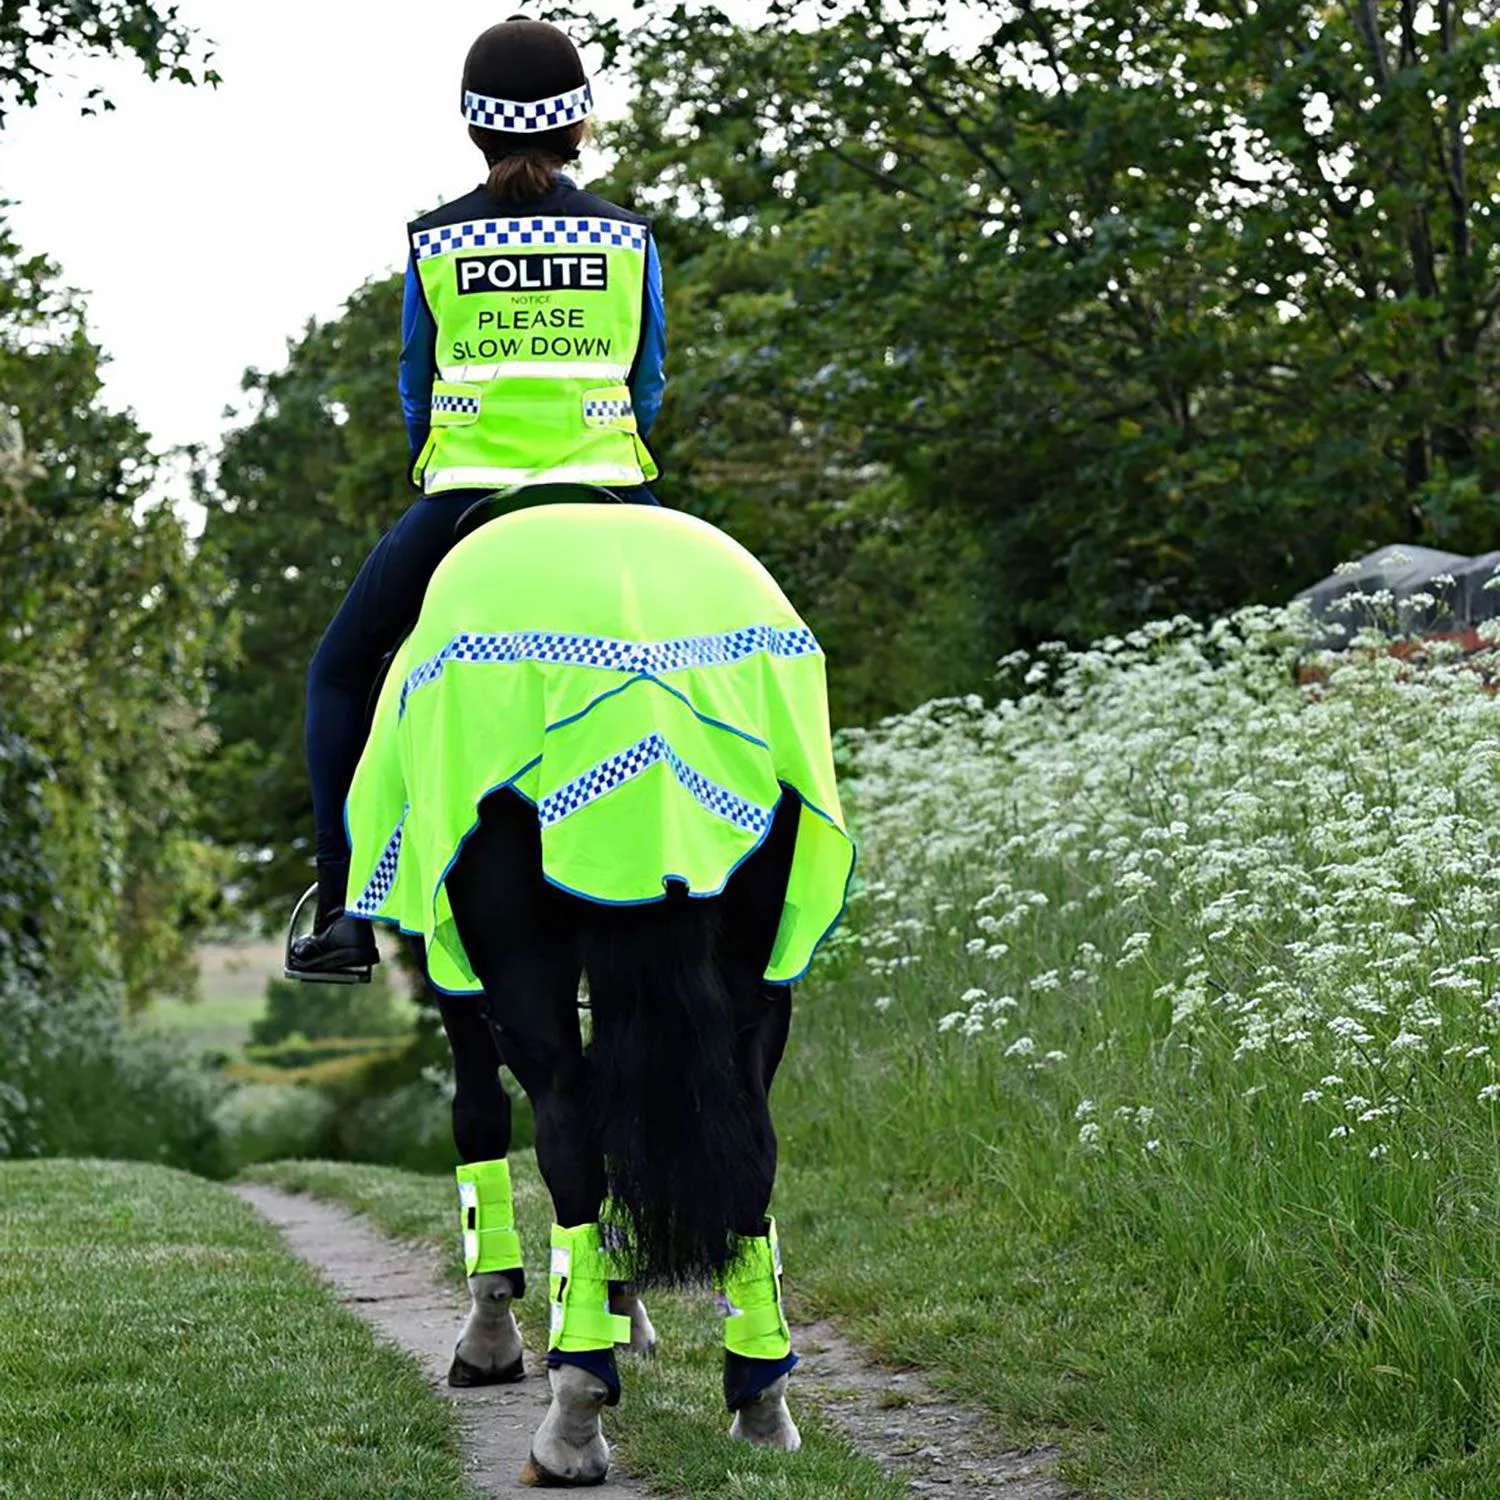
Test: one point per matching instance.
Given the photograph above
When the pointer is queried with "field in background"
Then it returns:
(233, 979)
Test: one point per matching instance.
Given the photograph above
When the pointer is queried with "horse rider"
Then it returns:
(533, 345)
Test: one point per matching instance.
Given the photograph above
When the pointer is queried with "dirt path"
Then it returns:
(399, 1290)
(941, 1448)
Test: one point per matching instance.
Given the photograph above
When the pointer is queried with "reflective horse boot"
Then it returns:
(489, 1350)
(340, 949)
(569, 1447)
(757, 1345)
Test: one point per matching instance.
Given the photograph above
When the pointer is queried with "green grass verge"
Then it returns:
(156, 1341)
(670, 1426)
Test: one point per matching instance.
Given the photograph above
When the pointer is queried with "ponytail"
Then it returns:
(524, 173)
(523, 178)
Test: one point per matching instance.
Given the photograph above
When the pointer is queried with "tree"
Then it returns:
(37, 34)
(1179, 304)
(303, 491)
(104, 627)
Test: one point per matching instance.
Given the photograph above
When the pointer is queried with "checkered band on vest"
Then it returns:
(499, 234)
(384, 878)
(467, 405)
(646, 658)
(608, 410)
(524, 116)
(628, 764)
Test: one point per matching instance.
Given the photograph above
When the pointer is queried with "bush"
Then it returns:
(1197, 971)
(271, 1121)
(75, 1080)
(316, 1011)
(299, 1055)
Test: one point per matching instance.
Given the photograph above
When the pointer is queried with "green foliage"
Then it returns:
(1175, 308)
(317, 1012)
(74, 1080)
(37, 35)
(302, 492)
(105, 624)
(272, 1121)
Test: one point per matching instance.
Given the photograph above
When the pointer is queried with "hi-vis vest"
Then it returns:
(540, 312)
(640, 679)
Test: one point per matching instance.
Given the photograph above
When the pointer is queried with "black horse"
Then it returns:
(664, 1109)
(653, 1126)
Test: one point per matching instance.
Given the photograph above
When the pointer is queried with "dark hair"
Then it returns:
(523, 176)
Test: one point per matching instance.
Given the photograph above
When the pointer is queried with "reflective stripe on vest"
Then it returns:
(538, 324)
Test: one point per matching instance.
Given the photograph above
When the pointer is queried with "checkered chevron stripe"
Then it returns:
(521, 115)
(502, 234)
(628, 764)
(465, 405)
(607, 409)
(379, 887)
(649, 658)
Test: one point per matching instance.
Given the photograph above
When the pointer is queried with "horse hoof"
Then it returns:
(765, 1421)
(462, 1373)
(539, 1477)
(489, 1350)
(569, 1447)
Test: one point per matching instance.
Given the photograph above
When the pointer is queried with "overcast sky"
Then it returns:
(254, 206)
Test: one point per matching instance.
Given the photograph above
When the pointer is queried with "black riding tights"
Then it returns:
(377, 611)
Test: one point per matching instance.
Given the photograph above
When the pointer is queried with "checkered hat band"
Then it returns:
(645, 658)
(526, 116)
(628, 764)
(468, 405)
(500, 234)
(373, 896)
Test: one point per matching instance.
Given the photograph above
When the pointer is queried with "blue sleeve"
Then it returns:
(418, 344)
(650, 372)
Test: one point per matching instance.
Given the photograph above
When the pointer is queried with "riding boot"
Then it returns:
(338, 944)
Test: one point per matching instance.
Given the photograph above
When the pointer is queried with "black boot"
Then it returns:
(340, 949)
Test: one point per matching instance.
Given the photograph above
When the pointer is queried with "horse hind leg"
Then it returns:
(518, 937)
(625, 1301)
(569, 1447)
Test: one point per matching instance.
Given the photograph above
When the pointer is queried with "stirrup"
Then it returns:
(355, 973)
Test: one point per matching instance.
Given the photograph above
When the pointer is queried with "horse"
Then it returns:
(686, 876)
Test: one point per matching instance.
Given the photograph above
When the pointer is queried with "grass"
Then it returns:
(670, 1427)
(1153, 1098)
(157, 1342)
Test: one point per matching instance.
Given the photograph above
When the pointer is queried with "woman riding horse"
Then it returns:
(603, 753)
(532, 349)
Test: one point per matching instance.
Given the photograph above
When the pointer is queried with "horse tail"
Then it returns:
(681, 1146)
